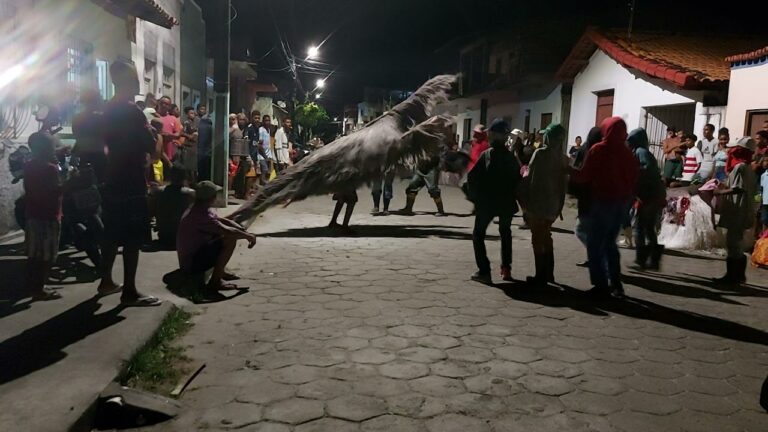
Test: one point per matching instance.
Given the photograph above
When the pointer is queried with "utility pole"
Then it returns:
(220, 151)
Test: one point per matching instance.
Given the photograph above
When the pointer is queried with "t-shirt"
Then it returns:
(171, 126)
(736, 209)
(764, 187)
(42, 191)
(264, 140)
(708, 150)
(199, 226)
(281, 139)
(87, 127)
(129, 141)
(693, 158)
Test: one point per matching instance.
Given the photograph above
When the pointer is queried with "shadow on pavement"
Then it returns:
(389, 231)
(575, 299)
(44, 344)
(681, 254)
(687, 287)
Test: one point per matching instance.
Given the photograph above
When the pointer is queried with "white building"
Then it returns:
(53, 49)
(748, 93)
(652, 80)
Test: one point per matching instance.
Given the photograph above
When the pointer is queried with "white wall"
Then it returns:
(748, 91)
(552, 104)
(170, 36)
(631, 94)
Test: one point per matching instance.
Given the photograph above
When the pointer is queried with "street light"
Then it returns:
(313, 51)
(317, 96)
(320, 83)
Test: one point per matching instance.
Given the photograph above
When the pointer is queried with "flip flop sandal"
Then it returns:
(144, 301)
(114, 290)
(225, 287)
(228, 277)
(46, 295)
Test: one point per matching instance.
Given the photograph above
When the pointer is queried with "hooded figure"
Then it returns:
(545, 191)
(479, 145)
(650, 194)
(610, 175)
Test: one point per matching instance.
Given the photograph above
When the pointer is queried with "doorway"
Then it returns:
(661, 117)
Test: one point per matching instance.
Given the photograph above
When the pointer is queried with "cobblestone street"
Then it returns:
(384, 332)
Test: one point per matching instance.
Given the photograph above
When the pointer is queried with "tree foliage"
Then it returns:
(309, 115)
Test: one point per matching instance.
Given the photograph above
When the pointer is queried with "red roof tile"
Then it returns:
(687, 61)
(753, 55)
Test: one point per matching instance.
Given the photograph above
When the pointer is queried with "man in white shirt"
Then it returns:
(266, 157)
(283, 145)
(708, 147)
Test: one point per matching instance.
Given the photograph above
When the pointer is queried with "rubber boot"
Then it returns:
(410, 199)
(728, 278)
(439, 204)
(539, 280)
(656, 253)
(641, 257)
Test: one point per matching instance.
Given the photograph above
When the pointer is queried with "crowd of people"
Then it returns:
(147, 157)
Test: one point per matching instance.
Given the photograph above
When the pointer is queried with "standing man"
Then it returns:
(427, 174)
(204, 143)
(692, 160)
(708, 147)
(87, 127)
(736, 211)
(609, 174)
(266, 157)
(673, 162)
(171, 128)
(761, 141)
(383, 185)
(126, 215)
(491, 185)
(190, 129)
(283, 145)
(150, 106)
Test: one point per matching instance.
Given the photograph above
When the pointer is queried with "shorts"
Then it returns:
(41, 238)
(205, 258)
(126, 220)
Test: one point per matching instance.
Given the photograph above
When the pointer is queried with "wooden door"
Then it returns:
(546, 120)
(756, 120)
(604, 106)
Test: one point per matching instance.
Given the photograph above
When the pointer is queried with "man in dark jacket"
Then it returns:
(492, 185)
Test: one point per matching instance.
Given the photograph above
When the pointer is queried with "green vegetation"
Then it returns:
(159, 364)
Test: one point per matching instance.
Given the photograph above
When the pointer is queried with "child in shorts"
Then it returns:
(43, 194)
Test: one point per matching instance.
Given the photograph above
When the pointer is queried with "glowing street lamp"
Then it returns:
(313, 52)
(320, 83)
(317, 96)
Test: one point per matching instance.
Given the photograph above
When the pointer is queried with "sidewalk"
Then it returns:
(55, 357)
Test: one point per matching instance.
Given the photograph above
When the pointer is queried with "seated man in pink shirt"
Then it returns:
(206, 241)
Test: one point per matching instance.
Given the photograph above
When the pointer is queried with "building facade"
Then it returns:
(748, 93)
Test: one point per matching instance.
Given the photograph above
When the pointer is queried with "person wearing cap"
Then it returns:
(207, 241)
(478, 146)
(736, 212)
(544, 197)
(492, 186)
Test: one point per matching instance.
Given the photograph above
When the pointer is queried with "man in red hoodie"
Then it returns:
(610, 173)
(479, 145)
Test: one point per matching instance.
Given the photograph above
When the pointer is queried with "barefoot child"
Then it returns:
(349, 197)
(43, 209)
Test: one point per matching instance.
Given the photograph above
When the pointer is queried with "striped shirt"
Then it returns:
(693, 158)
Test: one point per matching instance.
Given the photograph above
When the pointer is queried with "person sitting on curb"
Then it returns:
(207, 241)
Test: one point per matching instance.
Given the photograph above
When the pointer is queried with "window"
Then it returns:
(756, 120)
(149, 76)
(106, 89)
(604, 106)
(546, 120)
(169, 81)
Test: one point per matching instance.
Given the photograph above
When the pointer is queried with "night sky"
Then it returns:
(400, 43)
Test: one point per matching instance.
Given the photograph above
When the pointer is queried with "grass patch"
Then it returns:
(161, 362)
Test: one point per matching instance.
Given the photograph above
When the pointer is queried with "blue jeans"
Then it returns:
(606, 218)
(582, 229)
(647, 218)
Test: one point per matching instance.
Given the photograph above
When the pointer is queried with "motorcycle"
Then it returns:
(81, 223)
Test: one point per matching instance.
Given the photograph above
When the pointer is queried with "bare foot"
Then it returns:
(107, 287)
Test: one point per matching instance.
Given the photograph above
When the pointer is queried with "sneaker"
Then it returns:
(583, 264)
(506, 274)
(440, 214)
(375, 210)
(483, 278)
(385, 213)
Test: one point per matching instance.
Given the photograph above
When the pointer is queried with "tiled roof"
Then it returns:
(687, 61)
(753, 55)
(148, 10)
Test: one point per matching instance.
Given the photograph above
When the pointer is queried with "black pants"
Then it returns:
(483, 218)
(204, 168)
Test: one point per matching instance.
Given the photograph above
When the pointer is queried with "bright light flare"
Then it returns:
(320, 83)
(313, 52)
(317, 96)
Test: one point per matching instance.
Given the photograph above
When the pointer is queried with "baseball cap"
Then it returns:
(206, 190)
(746, 142)
(480, 128)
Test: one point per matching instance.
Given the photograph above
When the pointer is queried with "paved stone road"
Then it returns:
(383, 332)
